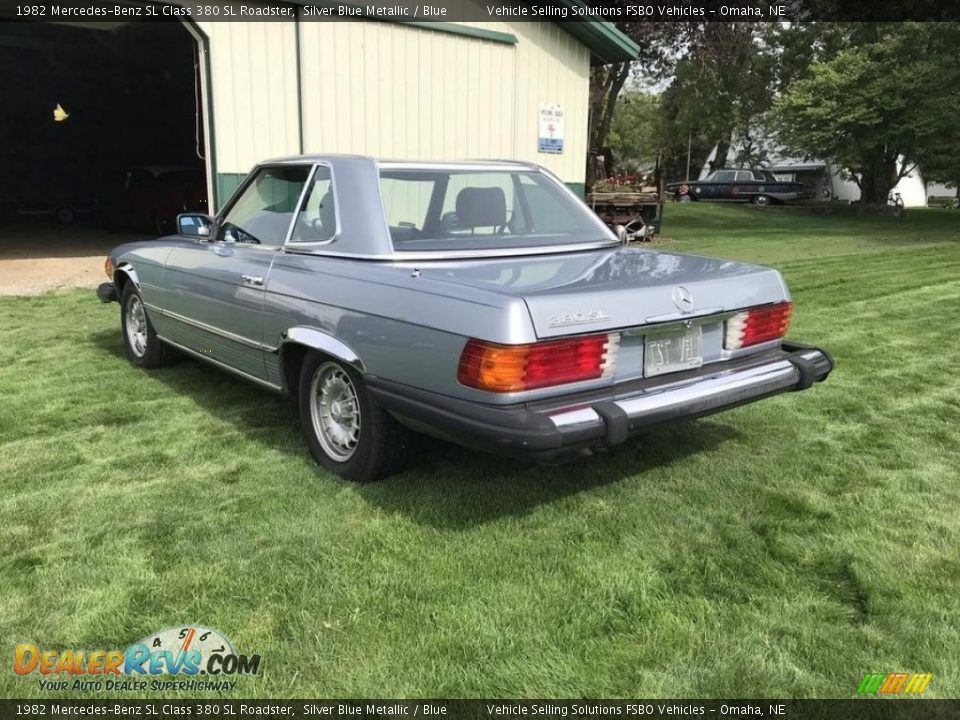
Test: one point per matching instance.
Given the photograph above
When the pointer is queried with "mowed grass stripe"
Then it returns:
(783, 548)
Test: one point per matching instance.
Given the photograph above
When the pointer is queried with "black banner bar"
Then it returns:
(856, 709)
(414, 11)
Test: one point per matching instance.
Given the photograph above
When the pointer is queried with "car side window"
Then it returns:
(724, 176)
(263, 212)
(317, 219)
(744, 176)
(406, 203)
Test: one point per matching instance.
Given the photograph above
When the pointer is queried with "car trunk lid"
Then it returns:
(622, 288)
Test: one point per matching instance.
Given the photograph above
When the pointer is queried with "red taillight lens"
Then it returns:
(512, 368)
(758, 325)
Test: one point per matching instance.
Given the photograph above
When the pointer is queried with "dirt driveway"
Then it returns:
(37, 256)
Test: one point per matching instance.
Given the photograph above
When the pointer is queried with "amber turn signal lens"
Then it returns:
(108, 267)
(513, 368)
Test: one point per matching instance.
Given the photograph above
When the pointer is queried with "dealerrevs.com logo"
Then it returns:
(201, 657)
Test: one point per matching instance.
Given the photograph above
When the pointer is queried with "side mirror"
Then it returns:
(622, 235)
(194, 225)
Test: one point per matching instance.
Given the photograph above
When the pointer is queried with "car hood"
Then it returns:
(623, 287)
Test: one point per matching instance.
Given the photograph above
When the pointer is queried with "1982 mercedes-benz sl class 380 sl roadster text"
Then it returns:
(479, 302)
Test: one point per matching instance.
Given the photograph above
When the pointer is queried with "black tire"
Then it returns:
(763, 201)
(65, 215)
(146, 351)
(381, 446)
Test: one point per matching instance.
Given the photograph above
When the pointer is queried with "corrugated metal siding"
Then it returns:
(253, 73)
(395, 91)
(552, 67)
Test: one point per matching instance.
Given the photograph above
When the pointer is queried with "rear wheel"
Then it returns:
(762, 200)
(144, 348)
(347, 432)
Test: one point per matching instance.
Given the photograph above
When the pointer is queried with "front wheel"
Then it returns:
(346, 431)
(144, 348)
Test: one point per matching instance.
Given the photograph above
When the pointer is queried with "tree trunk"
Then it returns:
(605, 85)
(720, 157)
(877, 178)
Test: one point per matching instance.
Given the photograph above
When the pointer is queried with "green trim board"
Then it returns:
(438, 26)
(226, 184)
(464, 30)
(605, 42)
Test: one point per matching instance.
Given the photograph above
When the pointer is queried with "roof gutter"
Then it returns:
(606, 43)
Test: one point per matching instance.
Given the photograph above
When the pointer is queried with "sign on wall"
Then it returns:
(551, 129)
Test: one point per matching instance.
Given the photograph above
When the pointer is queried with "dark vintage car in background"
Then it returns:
(66, 199)
(149, 197)
(760, 187)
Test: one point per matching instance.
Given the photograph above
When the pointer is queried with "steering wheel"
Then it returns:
(233, 233)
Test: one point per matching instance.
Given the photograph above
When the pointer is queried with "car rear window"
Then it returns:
(453, 210)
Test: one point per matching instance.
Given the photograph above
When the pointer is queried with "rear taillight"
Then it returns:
(757, 325)
(512, 368)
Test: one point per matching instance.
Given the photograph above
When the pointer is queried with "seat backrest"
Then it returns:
(481, 207)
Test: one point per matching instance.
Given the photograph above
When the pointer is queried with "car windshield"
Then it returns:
(439, 209)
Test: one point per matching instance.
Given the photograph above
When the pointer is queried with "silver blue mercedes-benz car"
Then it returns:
(479, 302)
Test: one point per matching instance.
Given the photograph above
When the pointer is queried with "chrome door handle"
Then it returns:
(252, 280)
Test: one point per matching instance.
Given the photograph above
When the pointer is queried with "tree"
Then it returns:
(752, 151)
(719, 74)
(882, 99)
(633, 132)
(658, 42)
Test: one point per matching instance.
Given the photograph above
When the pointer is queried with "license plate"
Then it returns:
(672, 351)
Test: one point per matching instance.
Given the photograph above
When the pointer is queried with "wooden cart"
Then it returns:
(637, 212)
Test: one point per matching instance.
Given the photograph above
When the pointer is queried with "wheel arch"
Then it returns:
(299, 341)
(123, 274)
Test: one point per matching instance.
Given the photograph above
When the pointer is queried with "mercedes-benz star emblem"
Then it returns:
(683, 299)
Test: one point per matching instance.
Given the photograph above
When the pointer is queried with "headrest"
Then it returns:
(481, 207)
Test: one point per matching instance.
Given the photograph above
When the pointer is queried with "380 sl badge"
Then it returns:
(577, 318)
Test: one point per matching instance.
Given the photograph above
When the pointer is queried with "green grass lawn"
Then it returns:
(781, 549)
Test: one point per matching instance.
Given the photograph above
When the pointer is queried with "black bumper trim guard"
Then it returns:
(106, 292)
(543, 431)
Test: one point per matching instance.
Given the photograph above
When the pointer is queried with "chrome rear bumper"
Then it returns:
(703, 394)
(550, 430)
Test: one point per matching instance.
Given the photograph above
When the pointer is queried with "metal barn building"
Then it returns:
(112, 111)
(399, 90)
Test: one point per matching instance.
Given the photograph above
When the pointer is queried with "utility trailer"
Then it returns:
(637, 211)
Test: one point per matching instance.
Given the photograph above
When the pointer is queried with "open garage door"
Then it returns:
(102, 129)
